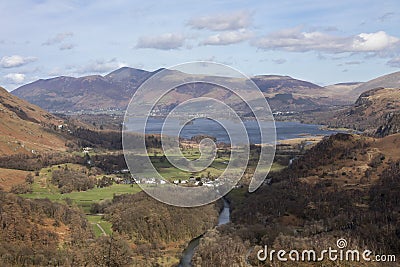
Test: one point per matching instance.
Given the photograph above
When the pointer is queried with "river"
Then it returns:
(201, 126)
(187, 254)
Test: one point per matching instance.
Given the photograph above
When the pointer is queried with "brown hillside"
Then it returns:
(391, 80)
(26, 128)
(10, 177)
(343, 92)
(371, 110)
(348, 161)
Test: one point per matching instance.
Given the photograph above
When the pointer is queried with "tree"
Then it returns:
(29, 179)
(111, 251)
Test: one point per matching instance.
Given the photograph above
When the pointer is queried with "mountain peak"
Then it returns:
(272, 76)
(126, 73)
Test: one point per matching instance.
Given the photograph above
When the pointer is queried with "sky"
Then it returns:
(324, 42)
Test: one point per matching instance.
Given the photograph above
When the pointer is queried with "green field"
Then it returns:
(96, 221)
(170, 173)
(85, 199)
(43, 188)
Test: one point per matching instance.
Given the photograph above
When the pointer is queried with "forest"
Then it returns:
(298, 211)
(345, 186)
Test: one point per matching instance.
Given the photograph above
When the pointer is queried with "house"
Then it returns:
(87, 149)
(268, 181)
(150, 181)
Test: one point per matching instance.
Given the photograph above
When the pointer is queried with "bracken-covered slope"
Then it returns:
(372, 109)
(285, 84)
(26, 128)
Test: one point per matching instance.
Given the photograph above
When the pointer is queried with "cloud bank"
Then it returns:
(14, 78)
(227, 38)
(15, 61)
(166, 41)
(222, 22)
(295, 40)
(100, 66)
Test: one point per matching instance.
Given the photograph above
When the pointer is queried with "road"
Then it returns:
(101, 229)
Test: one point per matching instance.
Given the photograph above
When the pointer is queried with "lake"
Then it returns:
(202, 126)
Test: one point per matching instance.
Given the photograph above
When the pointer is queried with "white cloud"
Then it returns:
(100, 66)
(222, 22)
(14, 78)
(229, 37)
(374, 41)
(295, 40)
(59, 38)
(166, 41)
(15, 61)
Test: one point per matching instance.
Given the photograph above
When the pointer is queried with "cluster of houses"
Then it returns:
(198, 182)
(284, 113)
(190, 181)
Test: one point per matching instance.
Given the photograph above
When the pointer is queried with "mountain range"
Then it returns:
(64, 94)
(113, 91)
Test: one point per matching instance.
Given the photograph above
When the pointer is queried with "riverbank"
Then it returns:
(188, 253)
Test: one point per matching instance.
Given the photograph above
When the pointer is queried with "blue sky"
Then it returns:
(324, 42)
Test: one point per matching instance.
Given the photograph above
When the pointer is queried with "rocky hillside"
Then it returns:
(372, 109)
(390, 126)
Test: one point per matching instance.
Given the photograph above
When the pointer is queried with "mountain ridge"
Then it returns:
(391, 80)
(113, 91)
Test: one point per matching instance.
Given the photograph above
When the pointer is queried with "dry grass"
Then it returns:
(21, 129)
(9, 177)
